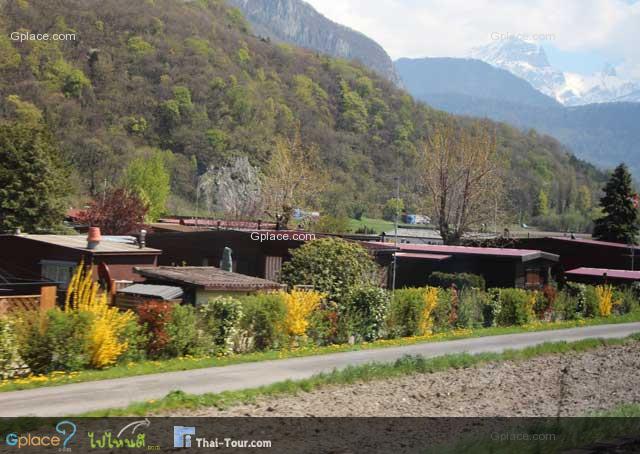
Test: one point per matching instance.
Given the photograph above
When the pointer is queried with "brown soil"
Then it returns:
(565, 385)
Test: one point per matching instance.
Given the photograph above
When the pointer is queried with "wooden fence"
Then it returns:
(17, 303)
(44, 301)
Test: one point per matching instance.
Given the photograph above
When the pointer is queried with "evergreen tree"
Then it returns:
(33, 180)
(620, 213)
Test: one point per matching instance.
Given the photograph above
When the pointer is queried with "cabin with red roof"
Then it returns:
(500, 267)
(581, 252)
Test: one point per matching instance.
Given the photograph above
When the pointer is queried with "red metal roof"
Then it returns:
(415, 255)
(525, 254)
(600, 272)
(593, 242)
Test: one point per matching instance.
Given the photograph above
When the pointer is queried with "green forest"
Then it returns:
(186, 87)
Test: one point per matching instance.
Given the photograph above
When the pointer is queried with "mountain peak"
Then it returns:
(512, 49)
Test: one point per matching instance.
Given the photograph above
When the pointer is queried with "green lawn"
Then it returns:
(367, 372)
(188, 363)
(379, 225)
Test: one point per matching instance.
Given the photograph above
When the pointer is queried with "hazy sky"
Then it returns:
(579, 35)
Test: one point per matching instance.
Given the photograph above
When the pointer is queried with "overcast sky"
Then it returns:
(579, 35)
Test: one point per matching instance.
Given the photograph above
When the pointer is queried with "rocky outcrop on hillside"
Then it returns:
(297, 22)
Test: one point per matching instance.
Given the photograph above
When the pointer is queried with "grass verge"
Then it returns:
(368, 372)
(189, 363)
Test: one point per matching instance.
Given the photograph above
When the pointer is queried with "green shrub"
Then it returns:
(626, 299)
(67, 337)
(441, 315)
(461, 280)
(405, 312)
(591, 308)
(263, 320)
(367, 308)
(185, 335)
(10, 361)
(137, 340)
(470, 309)
(54, 340)
(33, 345)
(491, 307)
(332, 266)
(324, 326)
(567, 306)
(516, 307)
(221, 317)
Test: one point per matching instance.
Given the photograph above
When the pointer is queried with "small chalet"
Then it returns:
(597, 276)
(200, 283)
(54, 257)
(500, 267)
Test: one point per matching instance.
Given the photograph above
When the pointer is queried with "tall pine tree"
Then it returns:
(619, 223)
(33, 179)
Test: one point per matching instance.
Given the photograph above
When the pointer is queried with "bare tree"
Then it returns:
(461, 178)
(292, 178)
(234, 190)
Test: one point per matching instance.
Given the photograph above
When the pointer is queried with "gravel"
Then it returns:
(567, 385)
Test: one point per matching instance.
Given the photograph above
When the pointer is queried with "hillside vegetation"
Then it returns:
(191, 78)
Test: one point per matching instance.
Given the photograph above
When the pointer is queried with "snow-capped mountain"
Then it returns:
(529, 61)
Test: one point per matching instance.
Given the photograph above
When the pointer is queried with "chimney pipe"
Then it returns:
(143, 239)
(93, 238)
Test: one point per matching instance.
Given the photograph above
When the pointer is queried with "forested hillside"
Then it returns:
(190, 77)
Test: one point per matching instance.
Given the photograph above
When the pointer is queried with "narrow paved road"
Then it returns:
(82, 397)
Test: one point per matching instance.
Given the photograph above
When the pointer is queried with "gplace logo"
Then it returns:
(66, 429)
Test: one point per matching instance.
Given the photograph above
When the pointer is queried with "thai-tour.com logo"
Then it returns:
(65, 431)
(185, 437)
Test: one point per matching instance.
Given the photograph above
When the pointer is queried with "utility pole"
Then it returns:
(395, 259)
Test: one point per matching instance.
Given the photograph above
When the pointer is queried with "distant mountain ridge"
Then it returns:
(297, 22)
(475, 78)
(603, 133)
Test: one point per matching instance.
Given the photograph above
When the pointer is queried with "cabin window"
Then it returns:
(533, 278)
(58, 271)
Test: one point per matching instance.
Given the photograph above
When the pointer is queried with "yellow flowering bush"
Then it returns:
(604, 295)
(300, 304)
(430, 298)
(105, 342)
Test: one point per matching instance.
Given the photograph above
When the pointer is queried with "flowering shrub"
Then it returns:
(430, 301)
(604, 293)
(300, 304)
(106, 342)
